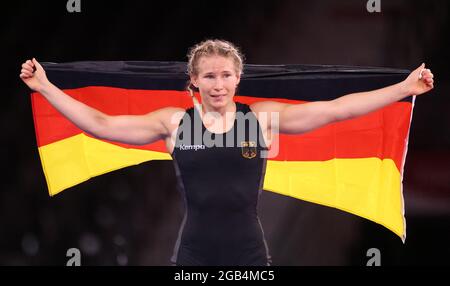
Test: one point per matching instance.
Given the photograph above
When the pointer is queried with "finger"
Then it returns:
(421, 74)
(30, 63)
(26, 70)
(428, 78)
(421, 70)
(27, 73)
(27, 67)
(37, 64)
(24, 76)
(426, 72)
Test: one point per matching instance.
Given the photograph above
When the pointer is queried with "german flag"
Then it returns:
(354, 165)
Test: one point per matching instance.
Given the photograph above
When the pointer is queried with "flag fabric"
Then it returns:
(354, 165)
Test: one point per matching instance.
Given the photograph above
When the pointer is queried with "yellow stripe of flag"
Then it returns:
(84, 157)
(368, 187)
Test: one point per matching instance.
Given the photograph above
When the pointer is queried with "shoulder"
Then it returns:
(267, 106)
(167, 113)
(172, 110)
(171, 116)
(268, 113)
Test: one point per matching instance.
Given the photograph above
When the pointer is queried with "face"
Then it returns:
(217, 81)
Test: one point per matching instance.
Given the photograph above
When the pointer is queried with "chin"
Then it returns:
(219, 104)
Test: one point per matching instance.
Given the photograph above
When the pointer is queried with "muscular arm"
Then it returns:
(141, 129)
(301, 118)
(129, 129)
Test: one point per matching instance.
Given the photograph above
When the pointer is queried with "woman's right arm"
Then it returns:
(129, 129)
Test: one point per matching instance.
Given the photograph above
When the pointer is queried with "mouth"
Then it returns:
(218, 97)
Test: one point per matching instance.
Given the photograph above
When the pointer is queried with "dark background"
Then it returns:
(132, 216)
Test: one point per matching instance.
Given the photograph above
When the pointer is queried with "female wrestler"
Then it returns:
(220, 184)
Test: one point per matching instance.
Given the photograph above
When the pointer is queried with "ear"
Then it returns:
(238, 76)
(194, 81)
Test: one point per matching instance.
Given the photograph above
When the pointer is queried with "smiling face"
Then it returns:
(217, 78)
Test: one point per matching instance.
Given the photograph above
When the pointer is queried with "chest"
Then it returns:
(245, 134)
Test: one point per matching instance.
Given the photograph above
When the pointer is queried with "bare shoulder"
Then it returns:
(267, 106)
(171, 117)
(264, 110)
(170, 111)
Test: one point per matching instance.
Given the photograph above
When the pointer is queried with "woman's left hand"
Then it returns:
(419, 81)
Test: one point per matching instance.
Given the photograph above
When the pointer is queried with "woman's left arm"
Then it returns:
(353, 105)
(301, 118)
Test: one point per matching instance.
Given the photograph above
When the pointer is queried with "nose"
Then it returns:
(218, 84)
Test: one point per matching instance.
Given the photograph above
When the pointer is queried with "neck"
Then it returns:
(221, 111)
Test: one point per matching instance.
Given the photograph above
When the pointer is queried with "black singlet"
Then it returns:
(220, 187)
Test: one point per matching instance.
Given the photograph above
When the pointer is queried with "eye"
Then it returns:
(209, 76)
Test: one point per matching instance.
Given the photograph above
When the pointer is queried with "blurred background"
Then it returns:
(132, 216)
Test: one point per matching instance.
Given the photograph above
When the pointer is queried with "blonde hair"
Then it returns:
(213, 48)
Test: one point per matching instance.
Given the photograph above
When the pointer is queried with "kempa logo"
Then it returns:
(192, 147)
(73, 6)
(190, 135)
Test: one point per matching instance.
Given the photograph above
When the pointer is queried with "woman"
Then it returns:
(220, 184)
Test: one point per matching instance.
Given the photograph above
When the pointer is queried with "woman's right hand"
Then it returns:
(33, 75)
